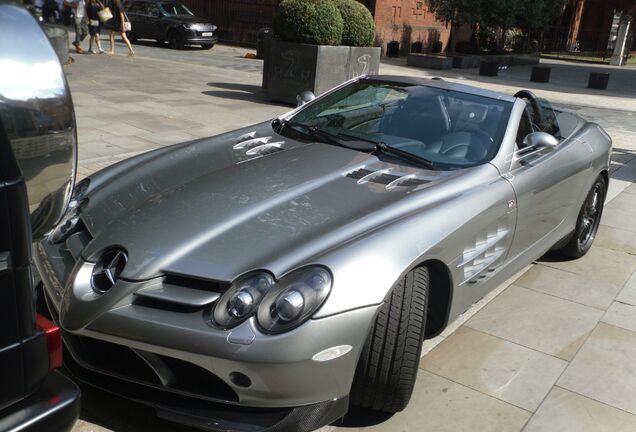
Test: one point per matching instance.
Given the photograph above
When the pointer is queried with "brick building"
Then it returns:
(404, 21)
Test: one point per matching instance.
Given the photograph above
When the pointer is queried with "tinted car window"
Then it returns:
(136, 7)
(151, 9)
(174, 9)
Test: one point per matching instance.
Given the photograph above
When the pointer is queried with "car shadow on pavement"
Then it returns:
(360, 417)
(555, 256)
(237, 91)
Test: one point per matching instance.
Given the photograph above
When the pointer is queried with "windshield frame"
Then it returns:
(504, 107)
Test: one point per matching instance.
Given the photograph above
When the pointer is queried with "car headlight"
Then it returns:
(279, 306)
(69, 221)
(294, 299)
(241, 300)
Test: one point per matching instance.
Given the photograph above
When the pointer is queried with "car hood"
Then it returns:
(187, 19)
(210, 210)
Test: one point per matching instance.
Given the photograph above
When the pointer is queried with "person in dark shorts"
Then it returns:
(116, 24)
(94, 26)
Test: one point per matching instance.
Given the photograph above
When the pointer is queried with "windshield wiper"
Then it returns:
(382, 147)
(314, 132)
(336, 139)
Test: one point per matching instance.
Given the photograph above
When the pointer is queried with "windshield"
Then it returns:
(449, 128)
(171, 9)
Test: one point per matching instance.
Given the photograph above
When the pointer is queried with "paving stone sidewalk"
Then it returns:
(551, 350)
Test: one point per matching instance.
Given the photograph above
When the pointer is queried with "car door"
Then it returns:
(155, 21)
(138, 21)
(547, 183)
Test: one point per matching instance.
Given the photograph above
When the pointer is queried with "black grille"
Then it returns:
(122, 362)
(384, 178)
(413, 182)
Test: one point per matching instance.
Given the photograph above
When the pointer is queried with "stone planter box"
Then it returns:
(466, 61)
(473, 61)
(540, 74)
(291, 68)
(598, 80)
(429, 61)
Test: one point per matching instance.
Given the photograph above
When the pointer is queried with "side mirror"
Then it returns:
(540, 139)
(36, 115)
(304, 97)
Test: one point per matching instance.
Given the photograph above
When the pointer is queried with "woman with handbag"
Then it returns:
(94, 6)
(119, 24)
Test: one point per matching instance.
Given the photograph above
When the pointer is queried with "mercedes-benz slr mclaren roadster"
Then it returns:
(268, 278)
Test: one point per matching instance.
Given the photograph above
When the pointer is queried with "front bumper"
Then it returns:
(196, 37)
(177, 354)
(53, 407)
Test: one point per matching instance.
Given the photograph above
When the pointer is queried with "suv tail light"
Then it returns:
(53, 340)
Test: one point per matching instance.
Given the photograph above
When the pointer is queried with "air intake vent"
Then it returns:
(386, 177)
(265, 149)
(359, 173)
(180, 294)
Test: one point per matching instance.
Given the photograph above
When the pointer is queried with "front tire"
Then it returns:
(207, 46)
(588, 221)
(388, 364)
(174, 40)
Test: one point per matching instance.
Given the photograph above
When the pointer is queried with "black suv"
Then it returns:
(37, 168)
(169, 21)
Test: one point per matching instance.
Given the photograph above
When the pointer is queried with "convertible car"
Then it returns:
(269, 278)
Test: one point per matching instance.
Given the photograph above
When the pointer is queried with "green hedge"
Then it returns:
(315, 22)
(359, 27)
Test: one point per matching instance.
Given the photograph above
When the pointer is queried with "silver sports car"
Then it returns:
(268, 278)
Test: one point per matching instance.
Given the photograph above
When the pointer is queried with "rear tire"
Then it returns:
(587, 222)
(388, 364)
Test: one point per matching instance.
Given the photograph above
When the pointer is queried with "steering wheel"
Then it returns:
(537, 111)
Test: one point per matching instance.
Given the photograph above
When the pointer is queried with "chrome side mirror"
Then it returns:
(36, 113)
(304, 97)
(540, 139)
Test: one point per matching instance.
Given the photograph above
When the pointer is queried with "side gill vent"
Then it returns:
(386, 177)
(481, 257)
(266, 149)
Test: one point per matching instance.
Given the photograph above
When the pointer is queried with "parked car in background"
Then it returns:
(270, 277)
(169, 21)
(37, 168)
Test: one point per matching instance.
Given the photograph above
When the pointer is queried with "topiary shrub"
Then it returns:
(315, 22)
(359, 27)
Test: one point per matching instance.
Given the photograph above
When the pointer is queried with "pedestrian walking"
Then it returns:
(79, 22)
(94, 25)
(118, 24)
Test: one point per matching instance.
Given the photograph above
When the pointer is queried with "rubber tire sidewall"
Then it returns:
(389, 361)
(572, 248)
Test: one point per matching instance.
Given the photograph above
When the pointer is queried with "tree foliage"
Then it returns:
(537, 15)
(315, 22)
(530, 16)
(359, 27)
